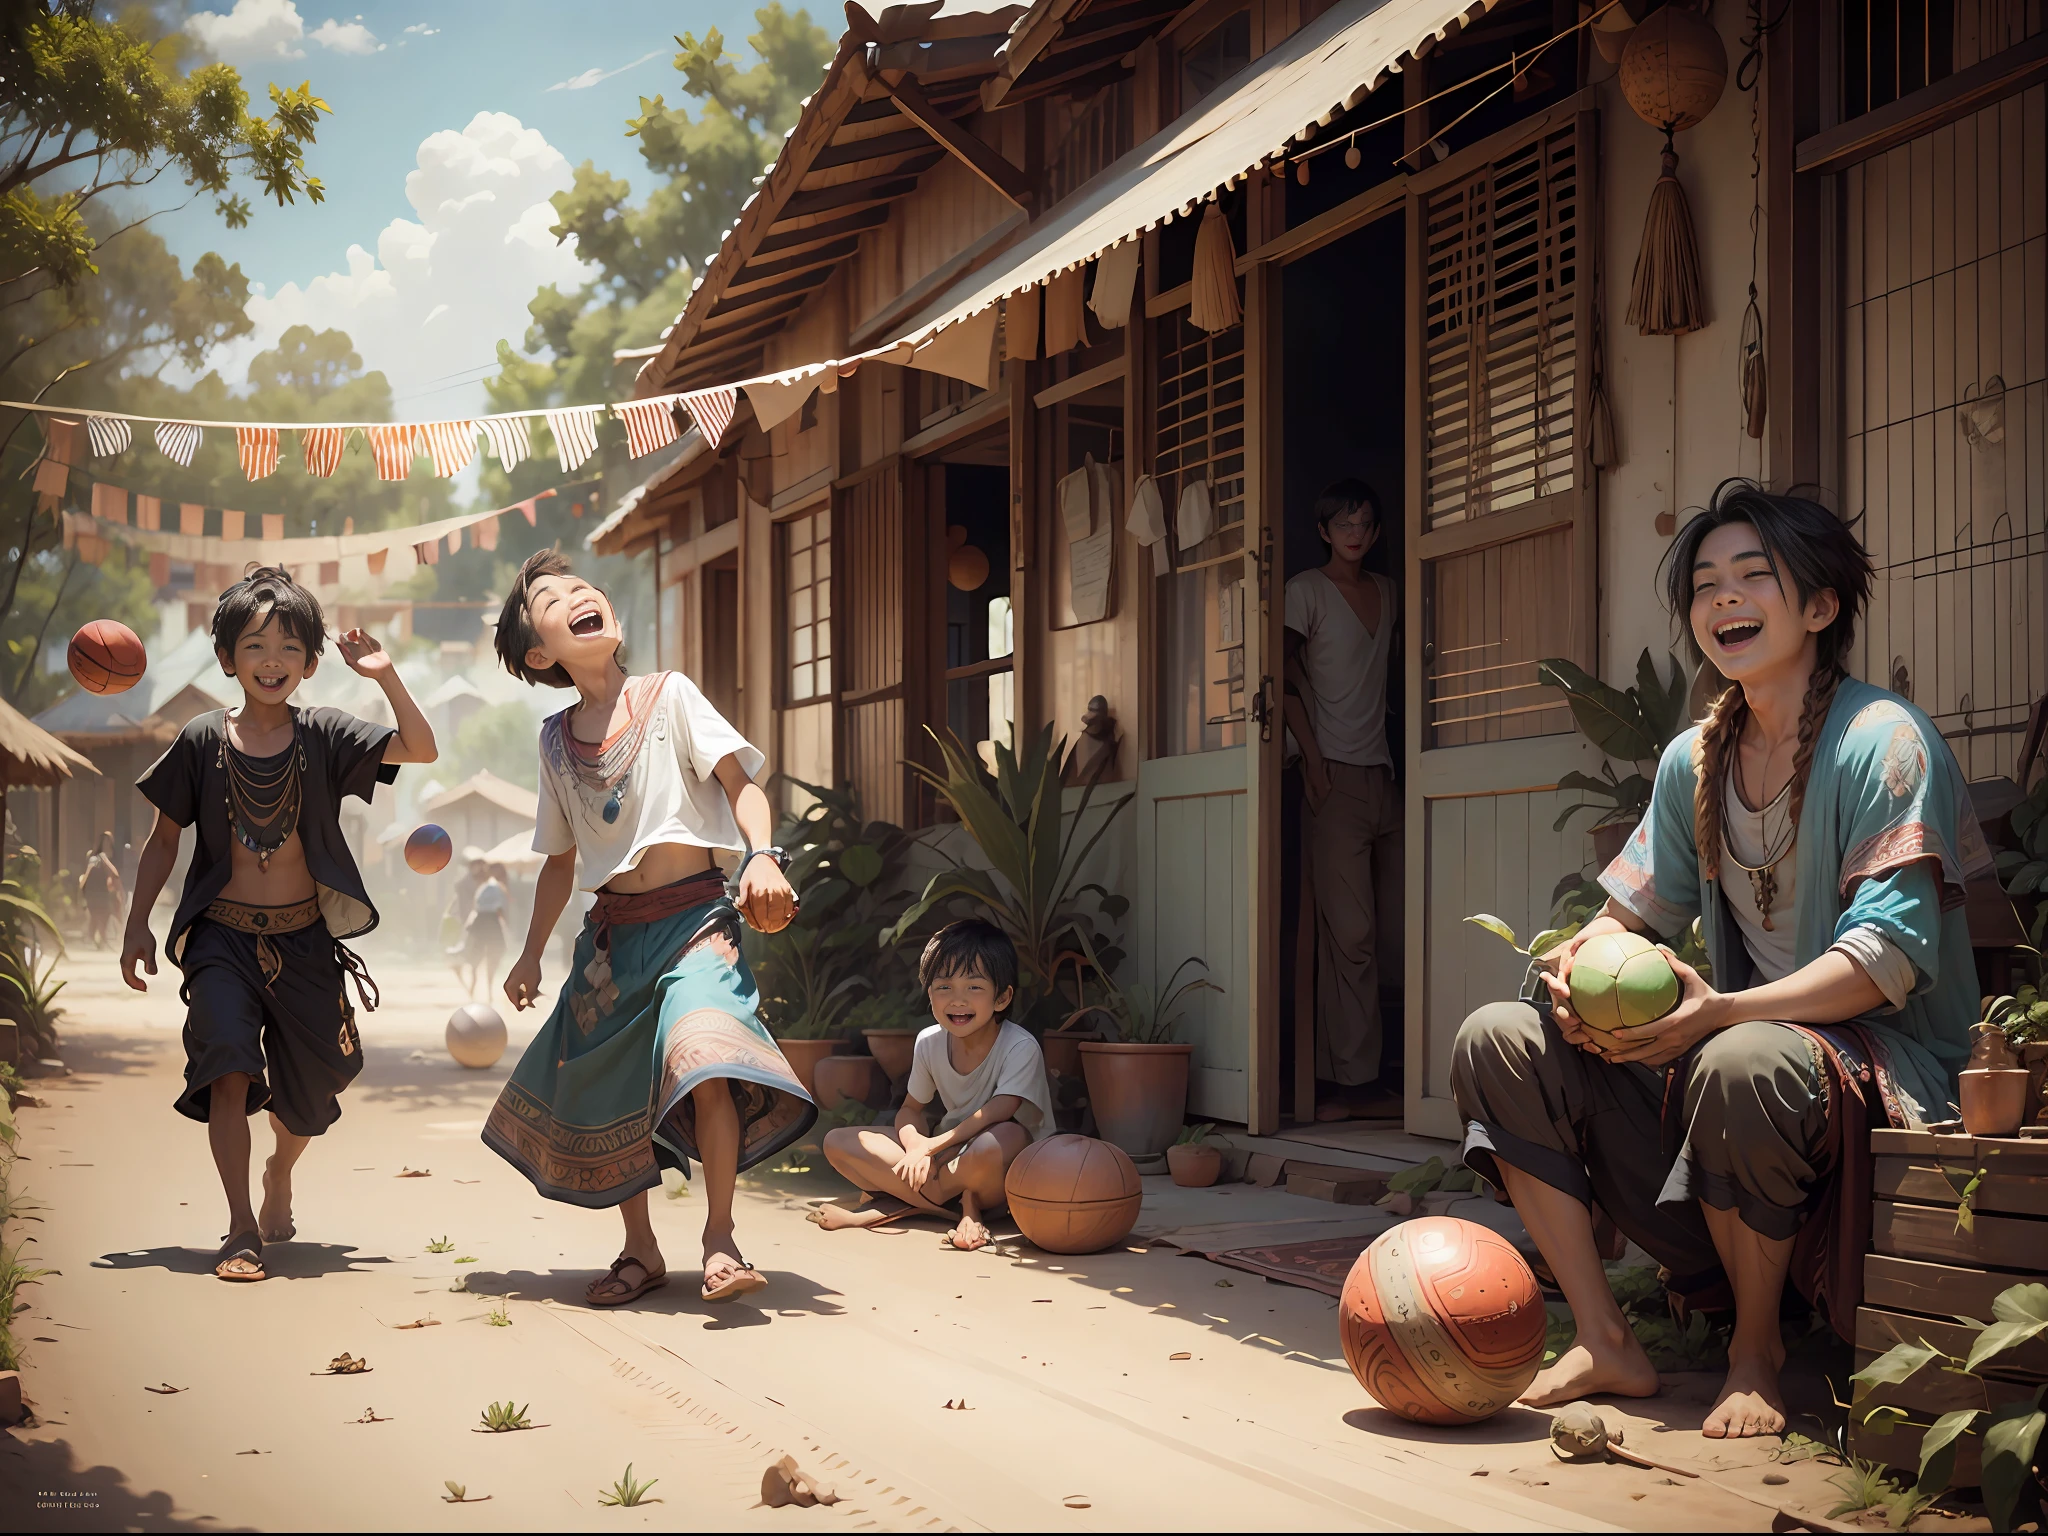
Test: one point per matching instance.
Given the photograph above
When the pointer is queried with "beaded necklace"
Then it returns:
(605, 769)
(264, 794)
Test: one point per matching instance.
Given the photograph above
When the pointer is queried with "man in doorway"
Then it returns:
(1342, 621)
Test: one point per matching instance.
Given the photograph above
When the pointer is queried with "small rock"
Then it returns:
(11, 1409)
(1775, 1479)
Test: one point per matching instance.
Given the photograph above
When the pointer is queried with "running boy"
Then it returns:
(987, 1072)
(653, 1054)
(271, 893)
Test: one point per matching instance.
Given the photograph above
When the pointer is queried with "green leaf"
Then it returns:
(1895, 1365)
(1497, 928)
(1938, 1449)
(1884, 1418)
(1609, 718)
(862, 864)
(2010, 1442)
(2022, 1314)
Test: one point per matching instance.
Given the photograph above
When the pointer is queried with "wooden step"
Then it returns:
(1931, 1232)
(1939, 1290)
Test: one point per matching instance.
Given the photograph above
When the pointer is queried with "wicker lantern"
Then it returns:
(1672, 72)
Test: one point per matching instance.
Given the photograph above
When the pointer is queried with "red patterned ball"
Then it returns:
(106, 656)
(1442, 1321)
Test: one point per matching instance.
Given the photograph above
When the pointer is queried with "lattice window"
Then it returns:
(1891, 48)
(807, 607)
(1501, 340)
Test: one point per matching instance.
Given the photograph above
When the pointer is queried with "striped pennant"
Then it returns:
(322, 447)
(650, 424)
(510, 438)
(712, 410)
(109, 435)
(178, 441)
(450, 444)
(257, 449)
(575, 432)
(392, 448)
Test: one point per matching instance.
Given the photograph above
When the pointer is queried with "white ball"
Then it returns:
(476, 1035)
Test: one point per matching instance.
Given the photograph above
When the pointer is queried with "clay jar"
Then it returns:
(1139, 1092)
(1994, 1085)
(2034, 1057)
(892, 1049)
(1194, 1165)
(843, 1079)
(803, 1057)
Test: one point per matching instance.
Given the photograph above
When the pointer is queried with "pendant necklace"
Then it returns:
(264, 794)
(1763, 878)
(605, 769)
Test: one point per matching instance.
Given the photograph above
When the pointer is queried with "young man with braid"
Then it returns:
(272, 891)
(1819, 829)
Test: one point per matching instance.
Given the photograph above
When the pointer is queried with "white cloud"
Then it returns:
(274, 29)
(421, 29)
(594, 75)
(430, 305)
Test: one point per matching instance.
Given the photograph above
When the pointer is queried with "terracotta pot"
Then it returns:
(892, 1049)
(1062, 1052)
(1194, 1165)
(803, 1057)
(2034, 1058)
(1139, 1093)
(850, 1078)
(1994, 1100)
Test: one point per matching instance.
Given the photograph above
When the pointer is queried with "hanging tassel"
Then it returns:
(1664, 299)
(1212, 305)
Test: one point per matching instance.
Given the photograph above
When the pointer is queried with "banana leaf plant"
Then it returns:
(28, 990)
(1138, 1014)
(1033, 851)
(1632, 725)
(849, 878)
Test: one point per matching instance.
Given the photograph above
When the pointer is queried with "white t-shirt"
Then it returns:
(1014, 1065)
(668, 796)
(1347, 668)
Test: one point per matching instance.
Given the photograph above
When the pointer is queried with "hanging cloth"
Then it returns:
(178, 441)
(450, 444)
(650, 425)
(392, 449)
(509, 439)
(149, 512)
(712, 410)
(1116, 284)
(322, 449)
(1212, 300)
(1020, 325)
(108, 435)
(1147, 524)
(256, 447)
(1197, 514)
(1066, 317)
(234, 525)
(575, 432)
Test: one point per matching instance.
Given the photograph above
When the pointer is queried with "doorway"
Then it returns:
(1343, 392)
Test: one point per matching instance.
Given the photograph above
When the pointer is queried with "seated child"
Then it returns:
(987, 1072)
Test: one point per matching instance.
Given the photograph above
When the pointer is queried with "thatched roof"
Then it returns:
(30, 756)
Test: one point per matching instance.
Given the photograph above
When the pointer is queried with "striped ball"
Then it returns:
(1442, 1321)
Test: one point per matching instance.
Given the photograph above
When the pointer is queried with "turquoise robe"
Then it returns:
(1887, 839)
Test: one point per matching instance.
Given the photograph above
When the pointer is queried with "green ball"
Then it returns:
(1620, 980)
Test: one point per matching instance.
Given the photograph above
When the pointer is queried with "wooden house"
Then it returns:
(1434, 210)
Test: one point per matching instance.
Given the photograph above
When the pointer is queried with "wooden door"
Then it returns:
(1501, 563)
(870, 569)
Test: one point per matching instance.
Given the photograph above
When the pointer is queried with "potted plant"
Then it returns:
(1192, 1161)
(1138, 1082)
(2023, 1019)
(1632, 725)
(890, 1023)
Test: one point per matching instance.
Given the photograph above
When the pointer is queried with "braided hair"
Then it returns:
(1819, 552)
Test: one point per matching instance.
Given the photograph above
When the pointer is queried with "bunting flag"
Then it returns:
(159, 570)
(392, 448)
(322, 447)
(450, 444)
(454, 541)
(109, 435)
(650, 424)
(527, 507)
(485, 534)
(712, 410)
(330, 573)
(273, 525)
(149, 512)
(377, 559)
(53, 479)
(110, 502)
(178, 441)
(191, 519)
(257, 449)
(234, 525)
(60, 439)
(575, 432)
(510, 438)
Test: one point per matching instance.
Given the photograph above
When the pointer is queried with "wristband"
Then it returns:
(781, 860)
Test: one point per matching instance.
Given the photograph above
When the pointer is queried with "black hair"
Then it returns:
(971, 947)
(264, 593)
(516, 634)
(1343, 496)
(1801, 539)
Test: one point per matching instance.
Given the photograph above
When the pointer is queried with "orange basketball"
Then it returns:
(1074, 1194)
(107, 657)
(1442, 1321)
(428, 850)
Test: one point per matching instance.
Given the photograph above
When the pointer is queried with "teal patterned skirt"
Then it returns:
(660, 999)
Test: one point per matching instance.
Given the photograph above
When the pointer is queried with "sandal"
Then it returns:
(244, 1248)
(741, 1280)
(650, 1280)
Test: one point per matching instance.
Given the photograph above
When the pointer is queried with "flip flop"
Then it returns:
(742, 1280)
(246, 1246)
(650, 1280)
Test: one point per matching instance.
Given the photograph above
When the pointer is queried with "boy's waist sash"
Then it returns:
(296, 917)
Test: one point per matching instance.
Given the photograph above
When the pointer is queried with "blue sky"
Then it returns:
(442, 265)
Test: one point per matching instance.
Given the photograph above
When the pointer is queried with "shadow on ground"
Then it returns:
(281, 1261)
(43, 1489)
(788, 1295)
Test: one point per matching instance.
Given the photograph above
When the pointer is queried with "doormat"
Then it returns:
(1320, 1264)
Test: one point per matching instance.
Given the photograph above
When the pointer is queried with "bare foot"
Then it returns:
(968, 1236)
(275, 1220)
(871, 1212)
(1618, 1368)
(1751, 1401)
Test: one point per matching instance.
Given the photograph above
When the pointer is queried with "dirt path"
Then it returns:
(1077, 1415)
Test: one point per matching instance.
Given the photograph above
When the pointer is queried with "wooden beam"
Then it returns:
(1079, 384)
(816, 234)
(1390, 196)
(937, 281)
(855, 194)
(746, 298)
(970, 151)
(908, 141)
(2004, 74)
